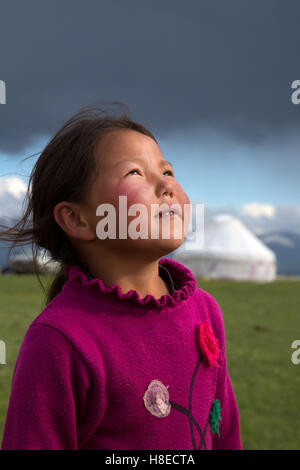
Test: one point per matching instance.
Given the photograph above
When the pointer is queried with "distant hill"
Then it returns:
(286, 246)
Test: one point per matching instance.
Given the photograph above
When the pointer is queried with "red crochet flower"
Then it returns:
(209, 345)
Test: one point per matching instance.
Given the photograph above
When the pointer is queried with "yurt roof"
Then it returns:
(227, 237)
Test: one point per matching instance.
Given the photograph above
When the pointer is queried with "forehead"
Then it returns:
(119, 145)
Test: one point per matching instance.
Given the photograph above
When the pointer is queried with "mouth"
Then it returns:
(172, 212)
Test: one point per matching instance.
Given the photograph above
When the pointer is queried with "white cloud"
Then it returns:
(12, 193)
(257, 210)
(280, 239)
(285, 219)
(12, 185)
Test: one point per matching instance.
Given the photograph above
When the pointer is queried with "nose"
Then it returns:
(165, 189)
(168, 191)
(163, 186)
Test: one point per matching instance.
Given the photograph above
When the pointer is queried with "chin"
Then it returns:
(164, 247)
(151, 248)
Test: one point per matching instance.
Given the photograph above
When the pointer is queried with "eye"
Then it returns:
(132, 171)
(136, 170)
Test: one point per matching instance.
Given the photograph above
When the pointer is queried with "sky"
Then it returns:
(210, 79)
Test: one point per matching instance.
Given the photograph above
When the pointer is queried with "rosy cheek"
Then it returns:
(186, 198)
(182, 196)
(135, 193)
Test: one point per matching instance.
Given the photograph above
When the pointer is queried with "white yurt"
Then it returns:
(228, 250)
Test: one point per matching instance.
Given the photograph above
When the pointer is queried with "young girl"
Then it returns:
(128, 352)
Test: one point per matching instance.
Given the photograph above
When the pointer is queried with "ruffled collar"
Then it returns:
(78, 282)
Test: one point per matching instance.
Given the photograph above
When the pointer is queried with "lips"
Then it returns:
(171, 212)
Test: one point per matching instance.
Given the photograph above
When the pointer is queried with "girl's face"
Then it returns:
(131, 164)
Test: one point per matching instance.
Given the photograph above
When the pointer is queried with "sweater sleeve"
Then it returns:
(48, 393)
(229, 437)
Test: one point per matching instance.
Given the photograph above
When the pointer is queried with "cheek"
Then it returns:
(135, 193)
(182, 193)
(183, 200)
(182, 197)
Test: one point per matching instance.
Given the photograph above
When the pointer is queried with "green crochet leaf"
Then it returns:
(215, 417)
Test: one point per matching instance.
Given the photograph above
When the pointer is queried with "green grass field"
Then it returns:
(261, 322)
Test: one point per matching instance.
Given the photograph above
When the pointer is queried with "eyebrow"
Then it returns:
(165, 163)
(161, 163)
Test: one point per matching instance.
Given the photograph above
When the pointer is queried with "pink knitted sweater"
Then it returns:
(99, 369)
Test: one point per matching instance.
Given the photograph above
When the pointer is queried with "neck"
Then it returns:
(127, 271)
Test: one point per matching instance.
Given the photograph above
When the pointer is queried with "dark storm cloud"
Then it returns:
(227, 65)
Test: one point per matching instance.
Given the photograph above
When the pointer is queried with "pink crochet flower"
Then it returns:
(156, 399)
(209, 345)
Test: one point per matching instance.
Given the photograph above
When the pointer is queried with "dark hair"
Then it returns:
(63, 172)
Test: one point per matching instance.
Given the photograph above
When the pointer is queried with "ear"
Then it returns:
(71, 218)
